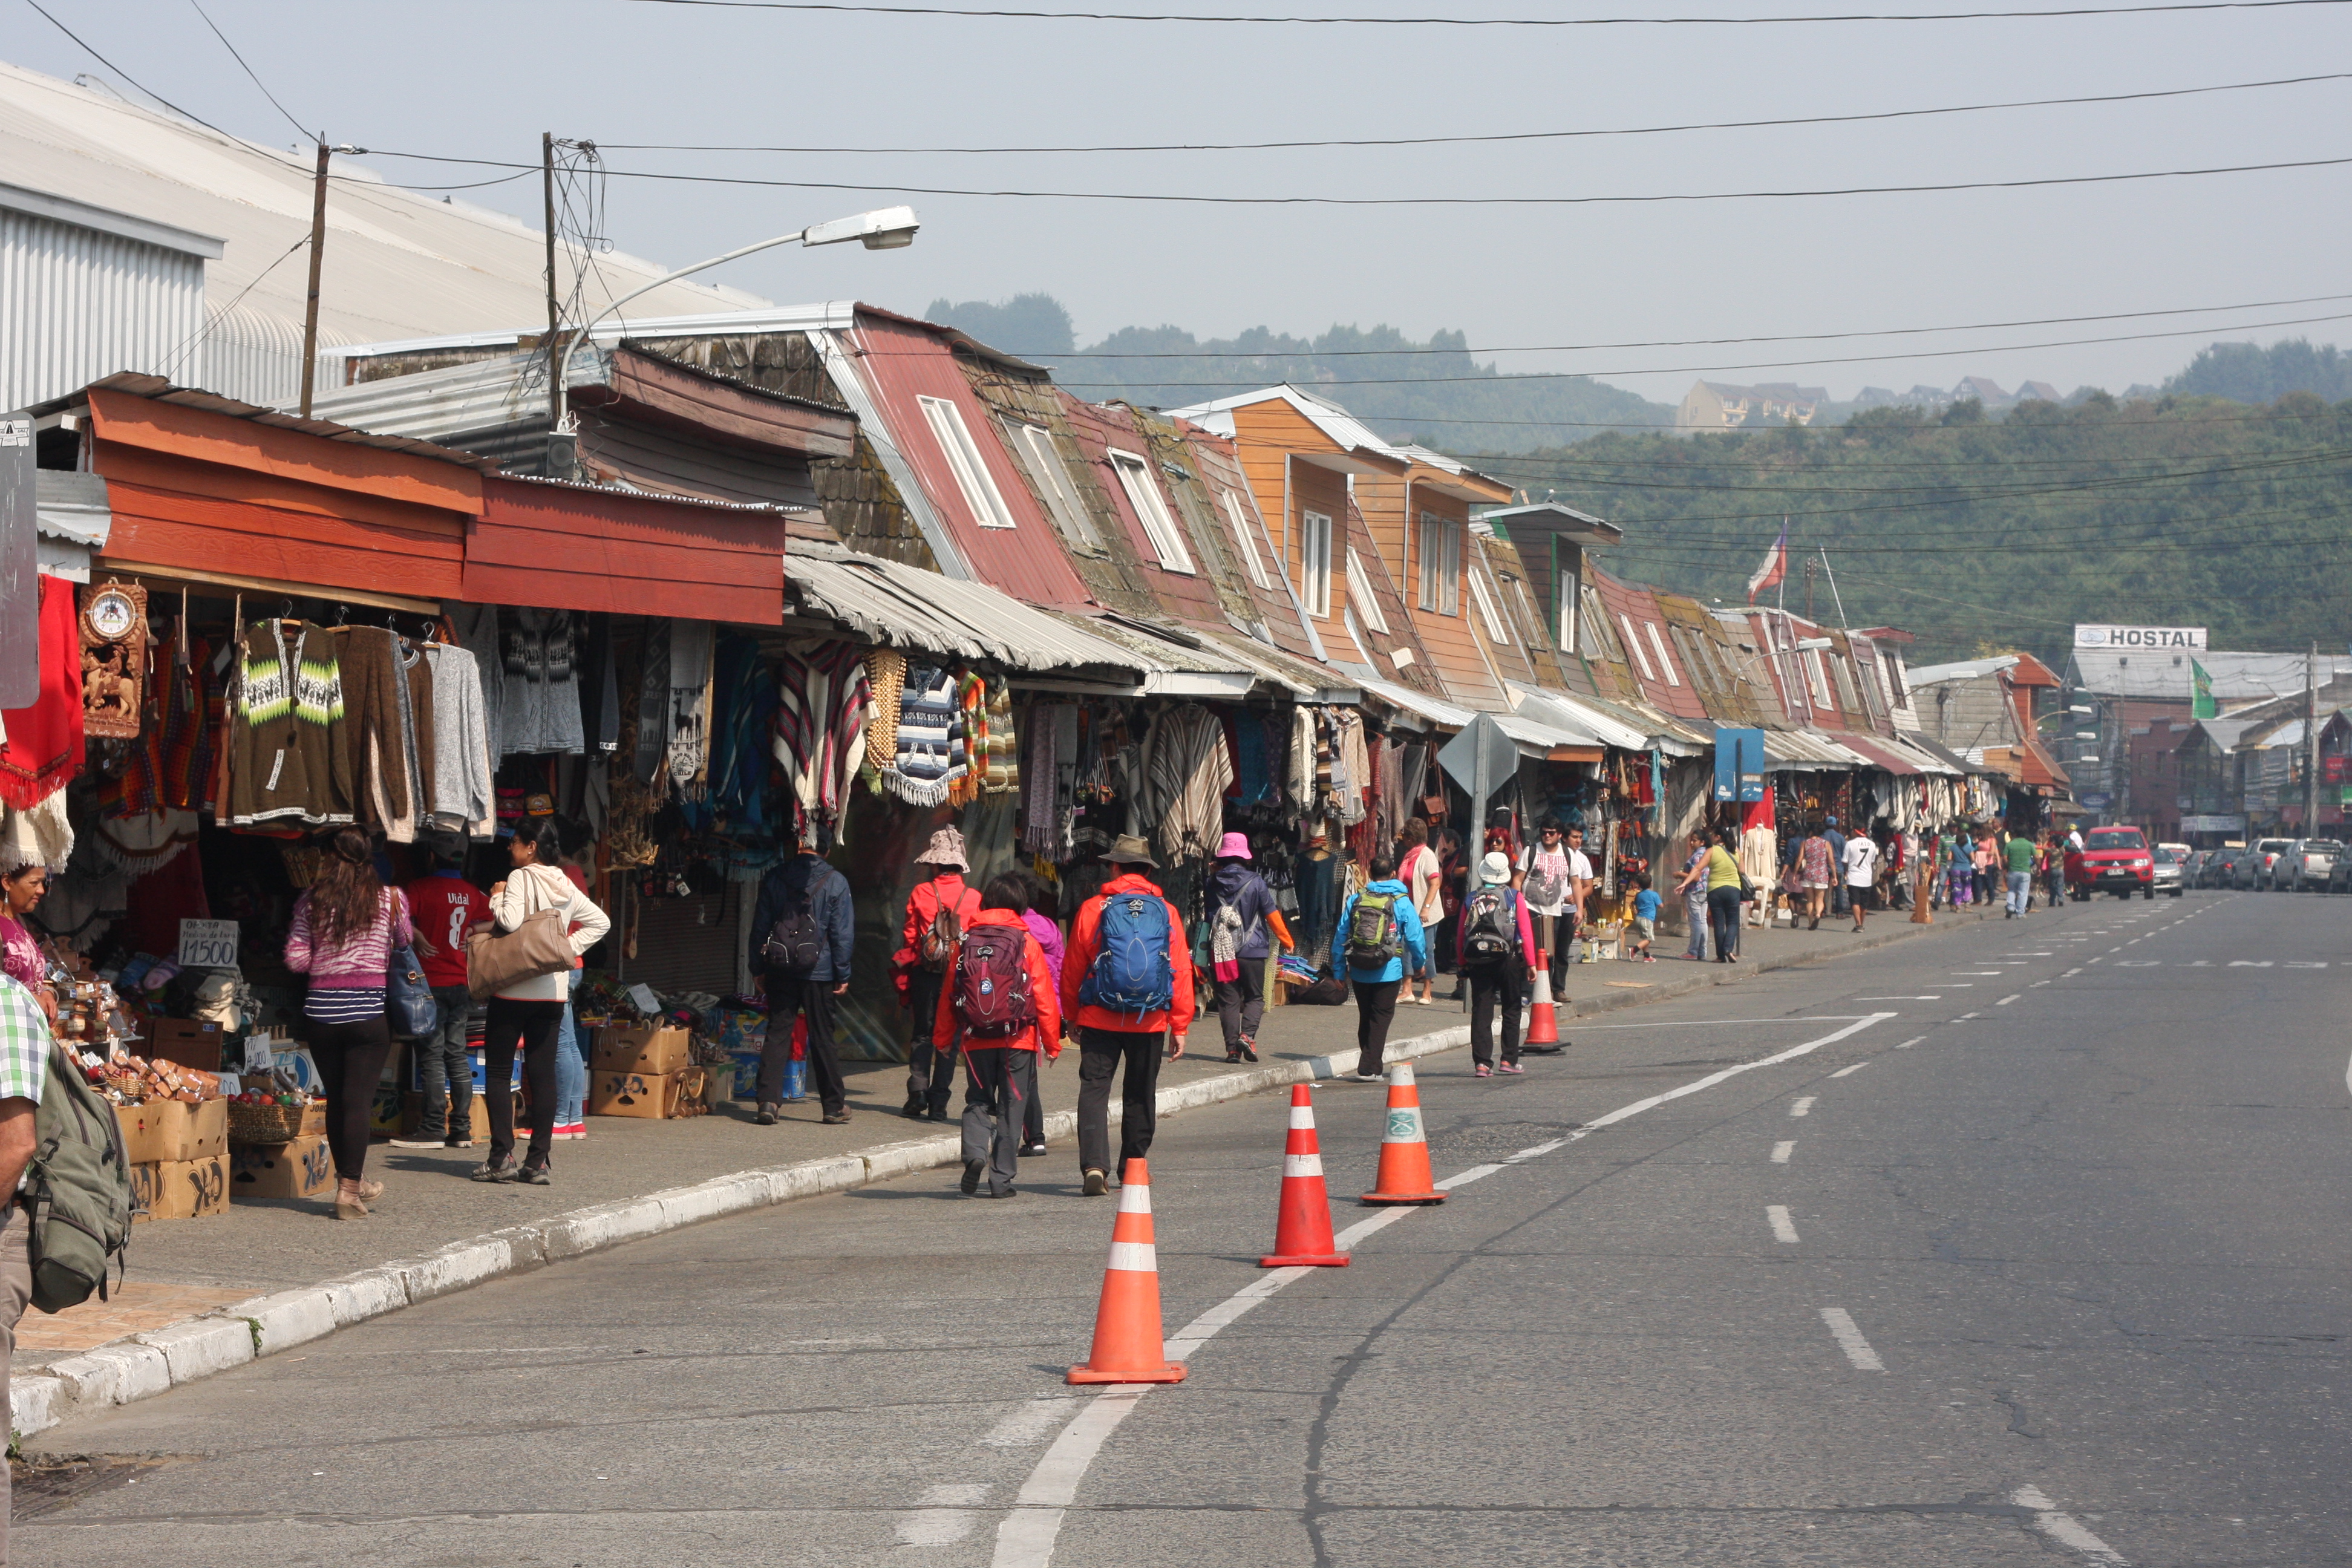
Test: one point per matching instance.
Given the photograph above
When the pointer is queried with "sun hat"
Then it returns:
(1233, 847)
(947, 849)
(1130, 850)
(1495, 869)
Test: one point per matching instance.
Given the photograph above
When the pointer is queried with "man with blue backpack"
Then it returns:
(1126, 988)
(1379, 931)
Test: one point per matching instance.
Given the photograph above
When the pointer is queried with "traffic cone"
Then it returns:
(1302, 1231)
(1404, 1152)
(1128, 1345)
(1543, 1027)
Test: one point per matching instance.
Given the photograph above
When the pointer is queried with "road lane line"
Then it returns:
(1776, 1217)
(1788, 1146)
(1805, 1104)
(1025, 1537)
(2008, 999)
(1898, 998)
(1911, 1042)
(1030, 1421)
(1849, 1338)
(2071, 973)
(943, 1518)
(1714, 1023)
(1855, 1068)
(2065, 1529)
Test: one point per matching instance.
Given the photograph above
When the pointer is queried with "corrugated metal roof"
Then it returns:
(1573, 714)
(895, 605)
(2237, 677)
(1966, 669)
(71, 506)
(1420, 704)
(1344, 429)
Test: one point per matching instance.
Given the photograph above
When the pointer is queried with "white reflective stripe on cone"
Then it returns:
(1405, 1124)
(1302, 1116)
(1401, 1075)
(1302, 1165)
(1135, 1257)
(1135, 1200)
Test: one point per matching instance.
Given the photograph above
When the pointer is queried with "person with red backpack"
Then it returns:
(999, 1009)
(1496, 948)
(937, 912)
(1126, 985)
(803, 928)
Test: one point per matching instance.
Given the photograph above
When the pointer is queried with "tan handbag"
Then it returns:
(496, 960)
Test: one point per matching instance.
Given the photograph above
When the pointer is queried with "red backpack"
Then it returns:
(991, 983)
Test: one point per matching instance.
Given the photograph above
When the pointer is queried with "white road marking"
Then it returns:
(1029, 1422)
(1966, 1016)
(1849, 1338)
(1855, 1068)
(1788, 1146)
(2008, 999)
(2139, 964)
(2095, 961)
(2071, 973)
(1911, 1042)
(1025, 1538)
(1898, 998)
(1712, 1023)
(943, 1519)
(2250, 964)
(2065, 1529)
(1980, 972)
(1803, 1105)
(2038, 983)
(2303, 963)
(1776, 1217)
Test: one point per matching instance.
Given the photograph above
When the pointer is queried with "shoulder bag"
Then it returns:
(496, 960)
(408, 1003)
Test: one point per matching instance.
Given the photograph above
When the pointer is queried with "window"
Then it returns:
(1528, 608)
(1592, 626)
(1571, 599)
(1359, 596)
(1495, 632)
(964, 460)
(1315, 562)
(1143, 494)
(1848, 698)
(1245, 539)
(1054, 484)
(1441, 565)
(1666, 659)
(1634, 647)
(1816, 683)
(1891, 668)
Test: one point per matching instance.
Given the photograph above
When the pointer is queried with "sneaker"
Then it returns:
(466, 1142)
(940, 1114)
(973, 1170)
(1098, 1183)
(531, 1177)
(836, 1119)
(577, 1132)
(1249, 1050)
(1010, 1191)
(1369, 1076)
(1482, 1071)
(495, 1170)
(1232, 1055)
(422, 1140)
(915, 1109)
(1512, 1067)
(767, 1115)
(1032, 1151)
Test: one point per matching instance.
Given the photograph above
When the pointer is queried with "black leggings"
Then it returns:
(349, 1058)
(531, 1025)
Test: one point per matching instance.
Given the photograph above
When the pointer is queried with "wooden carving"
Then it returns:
(113, 659)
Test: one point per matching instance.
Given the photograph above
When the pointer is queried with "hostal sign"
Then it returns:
(2152, 637)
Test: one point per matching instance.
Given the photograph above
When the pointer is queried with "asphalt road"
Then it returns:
(2036, 1256)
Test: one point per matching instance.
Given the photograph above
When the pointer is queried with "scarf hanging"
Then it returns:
(926, 757)
(1003, 751)
(969, 740)
(885, 674)
(43, 748)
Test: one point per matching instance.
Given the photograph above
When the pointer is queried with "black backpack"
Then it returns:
(795, 944)
(1489, 934)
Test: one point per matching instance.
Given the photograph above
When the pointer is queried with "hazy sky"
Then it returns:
(483, 80)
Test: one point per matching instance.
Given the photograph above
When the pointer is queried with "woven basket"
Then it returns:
(264, 1123)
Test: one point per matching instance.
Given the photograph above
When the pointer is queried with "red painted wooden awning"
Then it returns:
(579, 547)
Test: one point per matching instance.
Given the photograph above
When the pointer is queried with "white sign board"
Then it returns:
(2154, 638)
(2210, 824)
(207, 944)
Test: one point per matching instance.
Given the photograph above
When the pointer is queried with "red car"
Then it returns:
(2112, 860)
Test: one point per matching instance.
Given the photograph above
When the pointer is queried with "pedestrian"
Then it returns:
(1417, 867)
(343, 930)
(1837, 858)
(936, 912)
(21, 957)
(804, 927)
(1816, 870)
(1720, 872)
(26, 1045)
(998, 1010)
(1861, 875)
(1983, 857)
(527, 1014)
(1242, 926)
(1048, 932)
(1645, 918)
(1694, 893)
(2017, 855)
(1127, 982)
(2053, 872)
(1498, 957)
(443, 906)
(1453, 887)
(1378, 941)
(1548, 877)
(571, 1042)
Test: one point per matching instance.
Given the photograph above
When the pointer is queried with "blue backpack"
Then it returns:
(1131, 972)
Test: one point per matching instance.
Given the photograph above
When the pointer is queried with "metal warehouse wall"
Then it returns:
(76, 305)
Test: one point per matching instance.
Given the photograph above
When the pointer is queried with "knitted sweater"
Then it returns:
(289, 758)
(358, 961)
(459, 793)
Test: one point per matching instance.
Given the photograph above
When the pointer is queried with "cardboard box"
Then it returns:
(303, 1169)
(142, 1132)
(646, 1049)
(196, 1132)
(181, 1189)
(185, 1041)
(655, 1095)
(383, 1111)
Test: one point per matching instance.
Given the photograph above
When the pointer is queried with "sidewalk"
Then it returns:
(209, 1294)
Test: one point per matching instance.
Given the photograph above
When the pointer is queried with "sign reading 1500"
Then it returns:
(2139, 637)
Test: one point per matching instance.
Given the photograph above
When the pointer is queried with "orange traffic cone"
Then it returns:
(1302, 1231)
(1404, 1152)
(1543, 1027)
(1128, 1345)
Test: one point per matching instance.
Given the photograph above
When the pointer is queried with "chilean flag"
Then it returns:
(1775, 567)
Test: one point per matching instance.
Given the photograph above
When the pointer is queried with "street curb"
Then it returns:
(158, 1360)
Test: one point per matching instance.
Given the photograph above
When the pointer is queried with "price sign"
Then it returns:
(208, 944)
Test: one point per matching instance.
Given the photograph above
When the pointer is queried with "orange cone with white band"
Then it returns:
(1302, 1231)
(1128, 1344)
(1543, 1028)
(1404, 1175)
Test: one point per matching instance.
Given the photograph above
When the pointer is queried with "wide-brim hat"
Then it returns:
(1233, 847)
(1494, 868)
(1130, 850)
(946, 849)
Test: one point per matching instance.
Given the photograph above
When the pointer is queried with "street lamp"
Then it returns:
(885, 228)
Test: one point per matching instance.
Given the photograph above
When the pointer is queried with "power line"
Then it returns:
(845, 7)
(299, 128)
(1499, 137)
(126, 76)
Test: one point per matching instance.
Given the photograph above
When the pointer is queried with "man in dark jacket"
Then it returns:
(811, 902)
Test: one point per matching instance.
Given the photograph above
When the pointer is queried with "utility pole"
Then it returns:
(317, 254)
(1811, 567)
(554, 304)
(2311, 745)
(1835, 597)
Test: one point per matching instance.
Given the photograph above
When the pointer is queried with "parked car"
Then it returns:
(2167, 868)
(2221, 870)
(2192, 870)
(2307, 863)
(2112, 860)
(2255, 866)
(2180, 852)
(2339, 875)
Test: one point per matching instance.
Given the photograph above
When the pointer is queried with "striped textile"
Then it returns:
(343, 1003)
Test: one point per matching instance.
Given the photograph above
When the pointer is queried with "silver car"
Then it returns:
(2307, 864)
(2169, 871)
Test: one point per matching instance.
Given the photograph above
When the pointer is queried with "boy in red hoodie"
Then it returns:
(931, 1078)
(1125, 997)
(1002, 1068)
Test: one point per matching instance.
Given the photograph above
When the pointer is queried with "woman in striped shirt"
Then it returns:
(343, 932)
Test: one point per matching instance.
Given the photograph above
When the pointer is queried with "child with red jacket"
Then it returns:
(1001, 1070)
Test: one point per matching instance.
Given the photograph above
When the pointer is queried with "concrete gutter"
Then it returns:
(148, 1363)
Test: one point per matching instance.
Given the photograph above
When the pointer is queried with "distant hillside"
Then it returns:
(2176, 512)
(1431, 392)
(2247, 372)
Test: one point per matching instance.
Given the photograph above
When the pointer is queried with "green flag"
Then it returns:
(2201, 704)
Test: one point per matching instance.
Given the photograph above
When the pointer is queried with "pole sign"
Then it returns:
(1738, 765)
(1484, 757)
(2134, 639)
(20, 585)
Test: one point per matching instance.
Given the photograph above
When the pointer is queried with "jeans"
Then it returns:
(1001, 1084)
(1723, 916)
(571, 1067)
(930, 1076)
(531, 1026)
(2020, 890)
(1562, 952)
(1488, 989)
(1241, 1003)
(1101, 1054)
(1376, 1005)
(790, 997)
(349, 1058)
(1695, 915)
(447, 1071)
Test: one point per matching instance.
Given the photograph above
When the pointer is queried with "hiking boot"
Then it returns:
(495, 1170)
(1098, 1183)
(836, 1119)
(531, 1177)
(767, 1115)
(938, 1114)
(971, 1172)
(914, 1108)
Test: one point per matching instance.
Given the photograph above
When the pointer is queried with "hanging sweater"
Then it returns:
(290, 763)
(459, 793)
